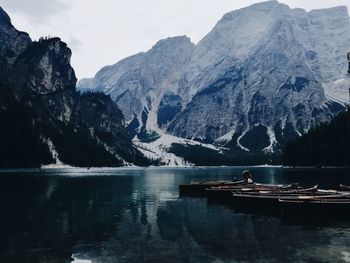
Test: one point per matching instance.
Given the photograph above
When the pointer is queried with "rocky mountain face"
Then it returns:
(44, 119)
(259, 78)
(138, 83)
(12, 43)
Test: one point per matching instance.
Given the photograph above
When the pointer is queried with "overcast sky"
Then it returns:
(101, 32)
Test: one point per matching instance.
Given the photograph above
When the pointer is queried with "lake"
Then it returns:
(136, 215)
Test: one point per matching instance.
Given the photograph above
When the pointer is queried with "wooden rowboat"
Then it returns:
(326, 207)
(258, 202)
(198, 188)
(224, 193)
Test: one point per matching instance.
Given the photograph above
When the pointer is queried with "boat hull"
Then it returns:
(224, 194)
(255, 204)
(326, 208)
(270, 202)
(198, 189)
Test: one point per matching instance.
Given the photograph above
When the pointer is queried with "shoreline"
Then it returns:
(68, 167)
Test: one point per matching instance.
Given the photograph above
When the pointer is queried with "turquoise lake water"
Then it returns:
(136, 215)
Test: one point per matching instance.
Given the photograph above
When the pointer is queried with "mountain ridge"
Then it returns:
(263, 70)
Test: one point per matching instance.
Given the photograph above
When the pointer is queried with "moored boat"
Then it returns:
(326, 207)
(258, 202)
(224, 193)
(198, 188)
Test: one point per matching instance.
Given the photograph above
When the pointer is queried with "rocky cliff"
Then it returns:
(12, 43)
(44, 119)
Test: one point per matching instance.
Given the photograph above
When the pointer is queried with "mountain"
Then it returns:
(44, 119)
(137, 82)
(263, 75)
(326, 145)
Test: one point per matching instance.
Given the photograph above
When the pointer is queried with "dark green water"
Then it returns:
(136, 215)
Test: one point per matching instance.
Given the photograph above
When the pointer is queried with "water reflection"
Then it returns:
(135, 215)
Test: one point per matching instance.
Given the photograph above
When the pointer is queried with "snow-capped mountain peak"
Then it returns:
(258, 77)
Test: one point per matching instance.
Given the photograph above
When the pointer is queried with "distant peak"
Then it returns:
(267, 6)
(4, 17)
(266, 3)
(170, 41)
(261, 6)
(343, 10)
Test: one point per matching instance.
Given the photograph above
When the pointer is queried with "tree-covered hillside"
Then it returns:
(326, 145)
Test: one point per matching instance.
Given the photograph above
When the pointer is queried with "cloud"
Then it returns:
(38, 11)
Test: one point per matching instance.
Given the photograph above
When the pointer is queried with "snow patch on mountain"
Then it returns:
(58, 164)
(159, 149)
(54, 153)
(239, 144)
(273, 141)
(226, 137)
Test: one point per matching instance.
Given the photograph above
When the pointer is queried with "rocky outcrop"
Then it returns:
(43, 78)
(12, 43)
(43, 68)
